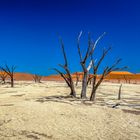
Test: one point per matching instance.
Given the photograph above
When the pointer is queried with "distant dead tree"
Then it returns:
(3, 76)
(119, 94)
(129, 80)
(10, 72)
(37, 78)
(90, 77)
(77, 78)
(125, 78)
(106, 71)
(119, 80)
(67, 75)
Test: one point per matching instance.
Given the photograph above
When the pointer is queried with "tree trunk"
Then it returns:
(73, 93)
(12, 82)
(89, 82)
(3, 81)
(93, 94)
(76, 84)
(84, 85)
(119, 94)
(77, 80)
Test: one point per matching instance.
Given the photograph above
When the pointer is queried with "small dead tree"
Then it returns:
(106, 71)
(3, 76)
(37, 78)
(10, 72)
(77, 78)
(119, 79)
(67, 75)
(90, 77)
(125, 78)
(119, 94)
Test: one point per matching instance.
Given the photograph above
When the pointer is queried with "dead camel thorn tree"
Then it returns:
(106, 71)
(3, 76)
(127, 78)
(37, 78)
(83, 61)
(67, 75)
(10, 72)
(77, 78)
(89, 81)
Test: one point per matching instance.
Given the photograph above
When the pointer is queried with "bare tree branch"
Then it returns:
(67, 77)
(64, 54)
(10, 72)
(102, 57)
(96, 42)
(88, 49)
(3, 76)
(106, 71)
(78, 46)
(63, 76)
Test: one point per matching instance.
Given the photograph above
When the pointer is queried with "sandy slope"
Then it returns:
(41, 111)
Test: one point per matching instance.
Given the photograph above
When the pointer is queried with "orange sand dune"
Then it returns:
(52, 78)
(23, 77)
(121, 73)
(115, 75)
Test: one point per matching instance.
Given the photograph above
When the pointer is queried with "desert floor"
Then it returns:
(42, 111)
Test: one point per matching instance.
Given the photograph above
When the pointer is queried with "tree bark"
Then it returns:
(10, 72)
(84, 85)
(12, 82)
(73, 93)
(77, 79)
(119, 94)
(3, 81)
(93, 94)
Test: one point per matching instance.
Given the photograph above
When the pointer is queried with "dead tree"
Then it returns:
(77, 78)
(10, 72)
(83, 64)
(90, 77)
(106, 71)
(37, 78)
(3, 76)
(119, 94)
(83, 61)
(67, 75)
(125, 78)
(119, 79)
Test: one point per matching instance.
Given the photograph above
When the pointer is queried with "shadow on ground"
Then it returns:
(65, 99)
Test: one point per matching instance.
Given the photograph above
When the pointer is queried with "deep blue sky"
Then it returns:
(29, 29)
